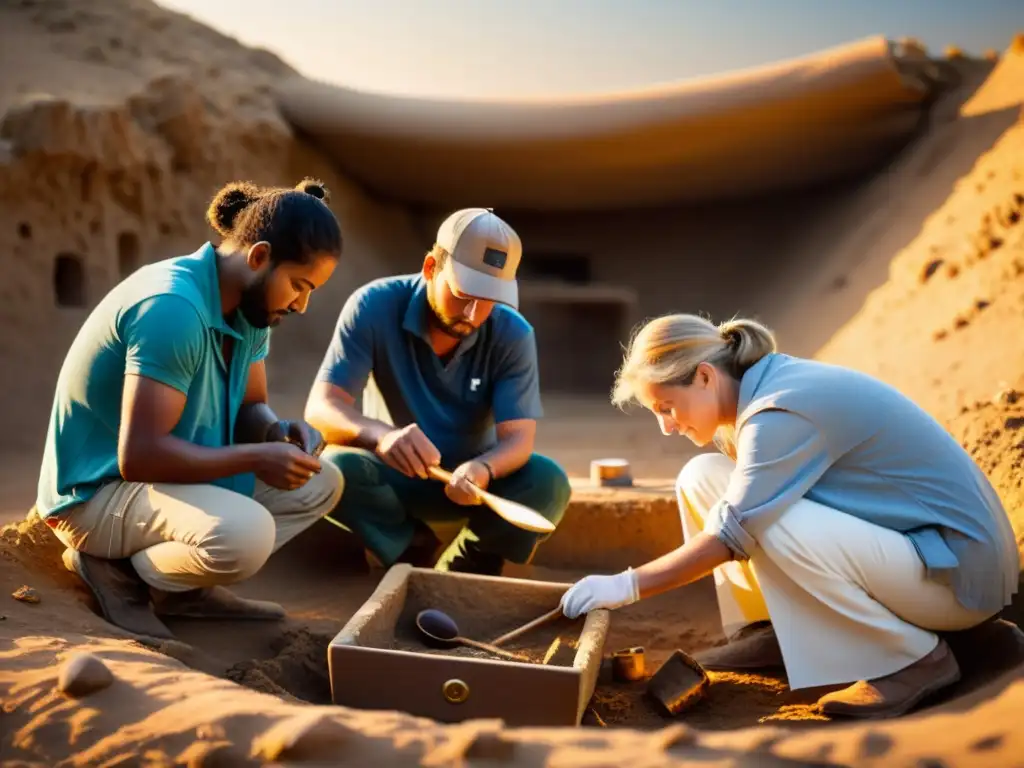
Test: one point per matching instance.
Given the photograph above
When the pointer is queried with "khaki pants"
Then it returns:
(848, 599)
(182, 537)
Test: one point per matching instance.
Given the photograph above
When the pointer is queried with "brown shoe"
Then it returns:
(897, 693)
(753, 647)
(123, 597)
(214, 603)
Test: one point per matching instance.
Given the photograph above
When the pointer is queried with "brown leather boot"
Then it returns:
(753, 647)
(897, 693)
(122, 595)
(214, 603)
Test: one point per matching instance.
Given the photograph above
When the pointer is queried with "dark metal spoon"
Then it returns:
(439, 630)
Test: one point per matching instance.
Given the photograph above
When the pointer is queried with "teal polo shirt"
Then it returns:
(381, 352)
(163, 322)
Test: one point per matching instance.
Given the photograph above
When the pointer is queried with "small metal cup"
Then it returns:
(628, 664)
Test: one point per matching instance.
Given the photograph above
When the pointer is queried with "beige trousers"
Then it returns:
(848, 599)
(181, 537)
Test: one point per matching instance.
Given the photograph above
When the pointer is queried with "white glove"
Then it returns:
(593, 592)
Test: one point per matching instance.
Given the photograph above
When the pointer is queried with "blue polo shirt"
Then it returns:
(163, 322)
(381, 351)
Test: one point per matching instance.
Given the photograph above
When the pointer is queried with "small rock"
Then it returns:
(26, 594)
(310, 735)
(930, 268)
(83, 674)
(1007, 397)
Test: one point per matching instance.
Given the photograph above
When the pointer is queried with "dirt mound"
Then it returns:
(993, 433)
(944, 327)
(296, 672)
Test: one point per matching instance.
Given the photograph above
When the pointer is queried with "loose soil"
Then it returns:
(732, 701)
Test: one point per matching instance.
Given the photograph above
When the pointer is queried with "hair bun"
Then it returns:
(230, 201)
(749, 341)
(314, 187)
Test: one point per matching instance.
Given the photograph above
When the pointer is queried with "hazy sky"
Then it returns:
(543, 47)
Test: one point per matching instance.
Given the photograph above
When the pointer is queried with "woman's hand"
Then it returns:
(595, 592)
(694, 559)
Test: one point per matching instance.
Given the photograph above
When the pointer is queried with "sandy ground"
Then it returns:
(945, 326)
(160, 706)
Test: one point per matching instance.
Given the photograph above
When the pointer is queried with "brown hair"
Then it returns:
(296, 222)
(668, 349)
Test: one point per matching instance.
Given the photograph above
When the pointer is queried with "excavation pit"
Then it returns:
(379, 661)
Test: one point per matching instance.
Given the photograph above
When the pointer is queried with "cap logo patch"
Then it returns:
(495, 258)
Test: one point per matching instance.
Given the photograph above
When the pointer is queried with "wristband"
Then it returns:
(490, 472)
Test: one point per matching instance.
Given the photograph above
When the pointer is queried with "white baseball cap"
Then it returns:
(484, 254)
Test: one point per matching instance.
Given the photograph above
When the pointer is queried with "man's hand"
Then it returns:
(409, 451)
(299, 433)
(465, 480)
(284, 466)
(593, 592)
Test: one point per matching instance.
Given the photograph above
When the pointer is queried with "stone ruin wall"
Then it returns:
(91, 188)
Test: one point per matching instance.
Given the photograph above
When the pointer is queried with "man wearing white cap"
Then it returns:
(447, 371)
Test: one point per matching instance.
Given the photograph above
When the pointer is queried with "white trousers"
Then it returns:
(848, 599)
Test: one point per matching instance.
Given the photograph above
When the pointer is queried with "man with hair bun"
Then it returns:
(166, 474)
(847, 529)
(447, 371)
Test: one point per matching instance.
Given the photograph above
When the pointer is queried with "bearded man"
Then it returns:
(166, 474)
(446, 369)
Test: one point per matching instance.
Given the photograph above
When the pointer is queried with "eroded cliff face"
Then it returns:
(117, 124)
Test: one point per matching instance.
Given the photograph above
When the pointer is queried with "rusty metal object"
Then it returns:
(612, 473)
(679, 684)
(629, 664)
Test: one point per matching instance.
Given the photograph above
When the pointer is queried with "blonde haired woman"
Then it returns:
(842, 513)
